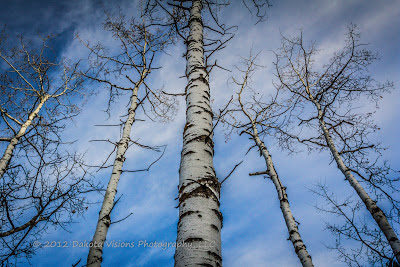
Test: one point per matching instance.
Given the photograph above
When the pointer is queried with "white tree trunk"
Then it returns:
(291, 224)
(104, 222)
(8, 153)
(378, 215)
(200, 220)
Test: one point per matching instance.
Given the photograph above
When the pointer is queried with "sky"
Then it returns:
(254, 233)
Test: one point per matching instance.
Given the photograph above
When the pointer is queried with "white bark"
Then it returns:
(378, 215)
(8, 153)
(104, 221)
(200, 220)
(294, 234)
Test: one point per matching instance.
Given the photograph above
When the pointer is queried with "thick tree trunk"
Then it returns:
(8, 153)
(99, 238)
(378, 215)
(200, 220)
(291, 224)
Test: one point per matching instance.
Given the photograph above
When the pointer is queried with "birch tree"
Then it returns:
(131, 67)
(259, 121)
(327, 102)
(200, 219)
(41, 183)
(28, 86)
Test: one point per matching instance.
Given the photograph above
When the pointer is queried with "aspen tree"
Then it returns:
(200, 219)
(261, 117)
(42, 184)
(325, 102)
(134, 64)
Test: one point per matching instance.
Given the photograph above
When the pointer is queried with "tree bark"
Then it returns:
(8, 153)
(294, 234)
(200, 220)
(96, 250)
(378, 215)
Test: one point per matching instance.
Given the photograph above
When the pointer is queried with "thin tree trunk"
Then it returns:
(294, 234)
(378, 215)
(8, 153)
(104, 222)
(200, 220)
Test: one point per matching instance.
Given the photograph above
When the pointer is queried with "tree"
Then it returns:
(259, 120)
(139, 46)
(200, 219)
(27, 84)
(42, 184)
(324, 100)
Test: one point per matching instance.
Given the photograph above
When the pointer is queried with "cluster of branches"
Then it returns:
(357, 240)
(42, 184)
(122, 69)
(174, 15)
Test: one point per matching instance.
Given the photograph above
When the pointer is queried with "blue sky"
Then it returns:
(254, 233)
